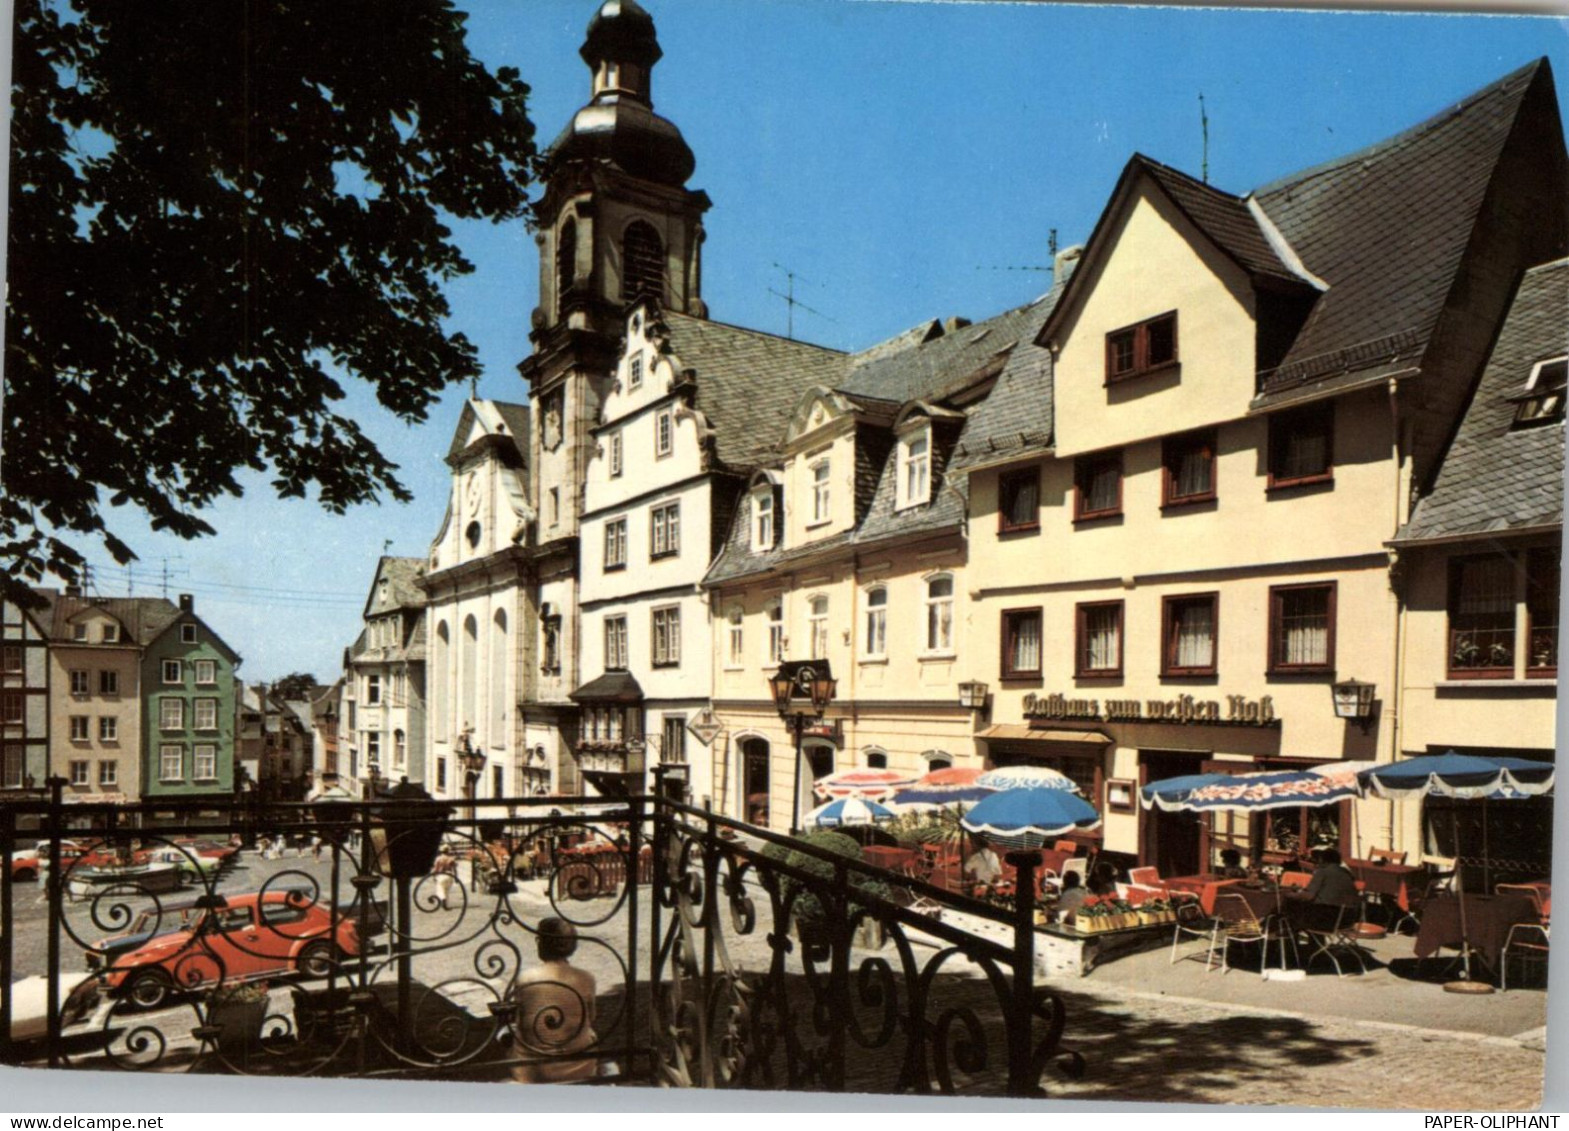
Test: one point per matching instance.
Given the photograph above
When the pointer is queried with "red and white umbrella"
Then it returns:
(870, 785)
(950, 777)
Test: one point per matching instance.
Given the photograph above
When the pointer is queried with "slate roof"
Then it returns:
(747, 382)
(1496, 478)
(1386, 227)
(143, 618)
(877, 384)
(936, 367)
(1017, 416)
(614, 687)
(401, 574)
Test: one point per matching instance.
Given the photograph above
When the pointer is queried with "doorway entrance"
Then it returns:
(1169, 841)
(754, 780)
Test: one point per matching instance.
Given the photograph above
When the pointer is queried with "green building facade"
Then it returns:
(188, 711)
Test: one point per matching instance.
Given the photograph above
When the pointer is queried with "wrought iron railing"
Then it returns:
(733, 957)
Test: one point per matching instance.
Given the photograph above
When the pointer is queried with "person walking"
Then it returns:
(444, 870)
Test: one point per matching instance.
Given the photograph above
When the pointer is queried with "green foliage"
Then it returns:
(808, 908)
(215, 204)
(295, 685)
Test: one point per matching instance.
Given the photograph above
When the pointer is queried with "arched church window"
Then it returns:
(642, 263)
(566, 259)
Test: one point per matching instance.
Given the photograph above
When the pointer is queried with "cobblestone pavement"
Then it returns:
(1180, 1045)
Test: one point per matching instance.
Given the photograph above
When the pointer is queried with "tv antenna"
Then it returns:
(1204, 127)
(1051, 247)
(166, 573)
(791, 302)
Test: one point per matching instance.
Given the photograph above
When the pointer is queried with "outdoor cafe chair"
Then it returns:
(1235, 922)
(1079, 866)
(1333, 931)
(1146, 877)
(1194, 923)
(1532, 941)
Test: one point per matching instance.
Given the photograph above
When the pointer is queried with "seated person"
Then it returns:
(1103, 880)
(1072, 897)
(555, 1011)
(983, 866)
(1333, 886)
(1332, 882)
(1231, 865)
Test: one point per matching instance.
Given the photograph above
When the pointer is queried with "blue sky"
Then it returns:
(905, 160)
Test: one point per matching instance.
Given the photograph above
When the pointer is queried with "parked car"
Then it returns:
(250, 937)
(210, 848)
(24, 866)
(191, 866)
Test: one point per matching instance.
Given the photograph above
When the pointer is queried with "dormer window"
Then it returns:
(1141, 348)
(763, 519)
(1542, 400)
(820, 491)
(915, 470)
(111, 633)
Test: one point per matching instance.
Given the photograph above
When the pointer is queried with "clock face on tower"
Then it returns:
(471, 492)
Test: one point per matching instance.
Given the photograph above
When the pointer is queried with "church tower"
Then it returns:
(616, 224)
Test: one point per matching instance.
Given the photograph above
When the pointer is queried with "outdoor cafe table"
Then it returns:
(1389, 879)
(1487, 922)
(1206, 886)
(904, 860)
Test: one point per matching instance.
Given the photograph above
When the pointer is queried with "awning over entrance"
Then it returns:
(1017, 732)
(612, 687)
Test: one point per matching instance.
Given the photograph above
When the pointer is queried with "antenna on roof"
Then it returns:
(1051, 241)
(386, 544)
(791, 302)
(1204, 125)
(87, 577)
(167, 573)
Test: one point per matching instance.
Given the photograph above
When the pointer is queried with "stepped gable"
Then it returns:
(747, 382)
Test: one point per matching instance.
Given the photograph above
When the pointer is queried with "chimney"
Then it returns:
(187, 603)
(1064, 262)
(73, 590)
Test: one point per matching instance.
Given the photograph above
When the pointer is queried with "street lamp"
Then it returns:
(472, 763)
(813, 681)
(972, 695)
(1354, 701)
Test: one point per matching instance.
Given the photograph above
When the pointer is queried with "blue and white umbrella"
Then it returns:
(1028, 818)
(923, 800)
(1239, 793)
(1026, 777)
(848, 811)
(1171, 794)
(1466, 776)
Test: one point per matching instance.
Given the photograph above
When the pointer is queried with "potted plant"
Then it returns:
(410, 831)
(808, 915)
(1092, 918)
(237, 1012)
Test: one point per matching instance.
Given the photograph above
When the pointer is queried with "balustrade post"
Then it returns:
(1020, 1023)
(55, 894)
(7, 929)
(634, 856)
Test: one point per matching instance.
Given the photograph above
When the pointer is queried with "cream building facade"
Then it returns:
(95, 723)
(382, 697)
(1243, 406)
(1479, 574)
(851, 548)
(479, 613)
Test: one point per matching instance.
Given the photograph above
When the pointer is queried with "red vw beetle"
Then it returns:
(252, 936)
